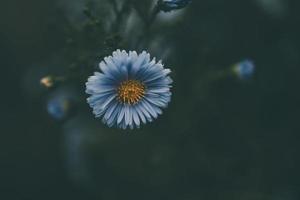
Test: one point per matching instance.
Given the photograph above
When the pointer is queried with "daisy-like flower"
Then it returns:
(169, 5)
(130, 90)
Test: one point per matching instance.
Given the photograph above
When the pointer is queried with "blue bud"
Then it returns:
(244, 69)
(58, 107)
(62, 102)
(169, 5)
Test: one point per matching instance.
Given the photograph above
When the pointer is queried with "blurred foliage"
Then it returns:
(220, 138)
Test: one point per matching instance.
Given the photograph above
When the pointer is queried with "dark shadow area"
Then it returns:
(220, 137)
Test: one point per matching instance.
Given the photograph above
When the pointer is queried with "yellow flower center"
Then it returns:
(131, 91)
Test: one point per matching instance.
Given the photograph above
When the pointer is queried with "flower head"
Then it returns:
(58, 107)
(169, 5)
(244, 69)
(61, 103)
(130, 89)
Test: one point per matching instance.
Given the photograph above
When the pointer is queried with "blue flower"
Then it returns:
(169, 5)
(62, 102)
(130, 90)
(244, 69)
(58, 107)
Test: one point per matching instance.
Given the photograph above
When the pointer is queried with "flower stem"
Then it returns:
(148, 24)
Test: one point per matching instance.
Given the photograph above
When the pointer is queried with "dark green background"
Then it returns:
(220, 138)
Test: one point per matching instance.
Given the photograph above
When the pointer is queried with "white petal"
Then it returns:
(135, 117)
(144, 110)
(110, 110)
(128, 115)
(121, 115)
(159, 90)
(149, 108)
(156, 102)
(113, 117)
(140, 113)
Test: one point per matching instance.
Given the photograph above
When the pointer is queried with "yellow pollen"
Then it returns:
(130, 91)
